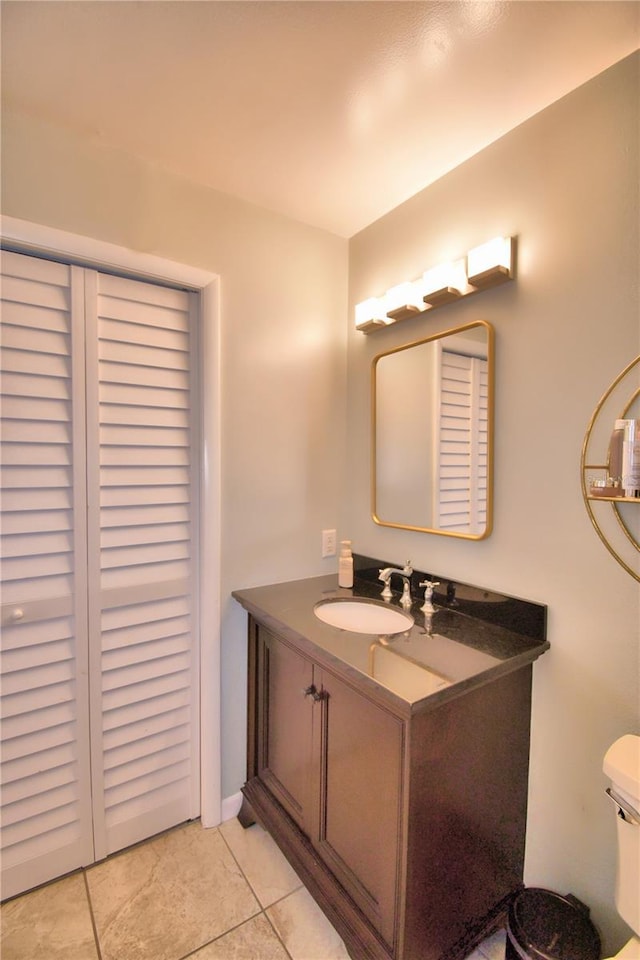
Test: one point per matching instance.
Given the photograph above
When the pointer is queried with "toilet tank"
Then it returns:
(622, 766)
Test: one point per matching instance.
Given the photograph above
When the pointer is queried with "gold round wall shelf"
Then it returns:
(616, 520)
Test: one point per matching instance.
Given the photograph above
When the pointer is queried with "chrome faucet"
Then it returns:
(385, 575)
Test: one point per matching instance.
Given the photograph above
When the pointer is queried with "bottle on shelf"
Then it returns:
(631, 458)
(615, 456)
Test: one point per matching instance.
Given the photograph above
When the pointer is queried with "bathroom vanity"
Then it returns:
(392, 770)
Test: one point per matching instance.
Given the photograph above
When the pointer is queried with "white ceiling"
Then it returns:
(329, 112)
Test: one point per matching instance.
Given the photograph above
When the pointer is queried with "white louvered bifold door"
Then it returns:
(45, 784)
(142, 538)
(461, 455)
(100, 744)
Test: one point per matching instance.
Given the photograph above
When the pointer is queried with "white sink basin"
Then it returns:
(363, 616)
(409, 679)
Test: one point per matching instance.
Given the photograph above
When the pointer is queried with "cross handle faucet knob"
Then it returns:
(429, 586)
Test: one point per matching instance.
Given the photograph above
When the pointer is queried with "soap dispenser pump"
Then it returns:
(345, 565)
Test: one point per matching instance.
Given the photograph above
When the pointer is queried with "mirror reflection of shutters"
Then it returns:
(462, 444)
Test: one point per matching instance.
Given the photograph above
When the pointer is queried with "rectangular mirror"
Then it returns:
(432, 434)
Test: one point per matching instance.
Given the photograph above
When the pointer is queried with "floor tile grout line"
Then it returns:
(261, 912)
(300, 885)
(201, 946)
(225, 933)
(273, 927)
(237, 863)
(263, 909)
(91, 913)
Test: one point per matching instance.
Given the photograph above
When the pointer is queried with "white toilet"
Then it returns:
(622, 766)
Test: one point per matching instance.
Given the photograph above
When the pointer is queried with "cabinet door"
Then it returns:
(361, 748)
(285, 718)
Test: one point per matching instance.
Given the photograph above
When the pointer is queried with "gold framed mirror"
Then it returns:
(432, 415)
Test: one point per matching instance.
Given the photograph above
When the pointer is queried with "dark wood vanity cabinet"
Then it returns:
(332, 759)
(406, 826)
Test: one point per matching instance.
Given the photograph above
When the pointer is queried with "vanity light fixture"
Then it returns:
(483, 267)
(444, 283)
(403, 301)
(370, 314)
(491, 263)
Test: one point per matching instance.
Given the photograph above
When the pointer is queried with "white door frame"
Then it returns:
(27, 237)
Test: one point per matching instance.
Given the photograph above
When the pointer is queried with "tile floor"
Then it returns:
(219, 894)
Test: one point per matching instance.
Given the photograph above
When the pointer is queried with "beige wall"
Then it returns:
(566, 183)
(283, 306)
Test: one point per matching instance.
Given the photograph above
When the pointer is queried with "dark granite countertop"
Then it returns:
(443, 655)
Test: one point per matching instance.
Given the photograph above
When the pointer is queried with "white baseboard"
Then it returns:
(231, 806)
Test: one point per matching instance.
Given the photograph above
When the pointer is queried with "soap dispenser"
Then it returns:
(345, 565)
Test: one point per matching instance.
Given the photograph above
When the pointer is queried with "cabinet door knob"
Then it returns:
(312, 691)
(17, 614)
